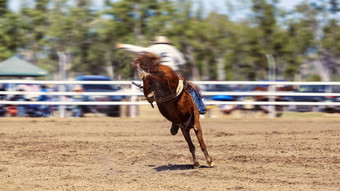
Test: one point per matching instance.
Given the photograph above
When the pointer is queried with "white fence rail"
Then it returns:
(195, 82)
(133, 92)
(205, 93)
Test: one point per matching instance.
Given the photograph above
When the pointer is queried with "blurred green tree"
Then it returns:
(11, 31)
(216, 47)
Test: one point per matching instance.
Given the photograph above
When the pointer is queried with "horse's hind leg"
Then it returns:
(187, 137)
(199, 135)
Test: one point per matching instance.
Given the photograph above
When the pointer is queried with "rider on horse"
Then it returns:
(171, 57)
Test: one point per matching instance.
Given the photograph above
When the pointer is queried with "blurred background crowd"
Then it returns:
(32, 110)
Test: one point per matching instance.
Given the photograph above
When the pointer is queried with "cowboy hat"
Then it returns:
(161, 40)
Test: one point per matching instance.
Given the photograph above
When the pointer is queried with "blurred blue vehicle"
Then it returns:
(109, 110)
(219, 88)
(313, 89)
(333, 108)
(225, 108)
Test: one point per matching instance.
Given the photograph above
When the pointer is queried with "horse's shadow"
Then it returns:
(174, 167)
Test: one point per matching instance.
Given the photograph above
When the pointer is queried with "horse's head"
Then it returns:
(146, 64)
(158, 80)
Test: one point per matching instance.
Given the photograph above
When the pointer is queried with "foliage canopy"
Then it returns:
(215, 46)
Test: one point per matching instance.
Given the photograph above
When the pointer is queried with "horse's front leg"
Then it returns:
(187, 137)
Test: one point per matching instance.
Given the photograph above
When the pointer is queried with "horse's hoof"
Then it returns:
(174, 129)
(196, 165)
(211, 164)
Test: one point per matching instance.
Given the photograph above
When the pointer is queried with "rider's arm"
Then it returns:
(134, 48)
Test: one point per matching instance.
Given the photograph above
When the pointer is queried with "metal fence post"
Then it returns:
(271, 88)
(133, 108)
(62, 75)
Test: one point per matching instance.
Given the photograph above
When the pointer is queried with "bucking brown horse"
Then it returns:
(162, 85)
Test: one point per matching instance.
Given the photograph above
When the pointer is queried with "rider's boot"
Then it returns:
(174, 129)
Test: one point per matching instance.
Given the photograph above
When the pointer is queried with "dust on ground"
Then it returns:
(140, 154)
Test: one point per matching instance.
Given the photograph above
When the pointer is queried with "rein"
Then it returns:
(170, 97)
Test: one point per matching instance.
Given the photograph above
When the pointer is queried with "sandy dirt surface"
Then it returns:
(104, 154)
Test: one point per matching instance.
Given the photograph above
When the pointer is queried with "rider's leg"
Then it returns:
(198, 101)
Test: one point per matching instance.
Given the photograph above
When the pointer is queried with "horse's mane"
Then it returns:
(147, 62)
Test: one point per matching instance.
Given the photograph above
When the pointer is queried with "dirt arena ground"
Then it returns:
(109, 154)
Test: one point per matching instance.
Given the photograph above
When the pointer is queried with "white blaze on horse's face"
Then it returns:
(141, 76)
(141, 73)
